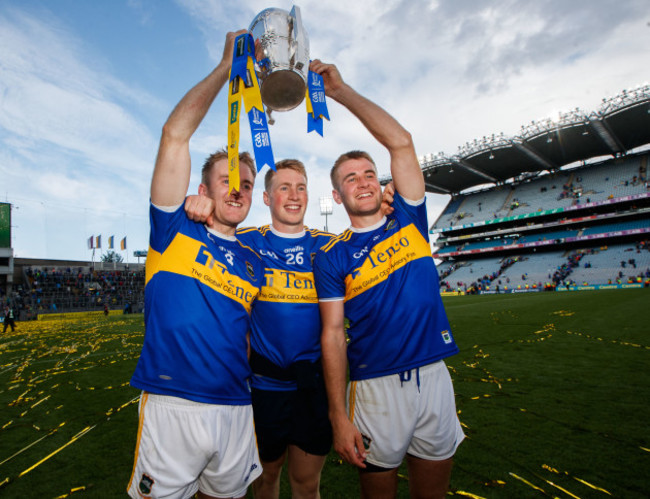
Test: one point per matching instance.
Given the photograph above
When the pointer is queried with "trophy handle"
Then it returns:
(299, 36)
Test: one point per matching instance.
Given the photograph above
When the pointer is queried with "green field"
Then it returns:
(552, 391)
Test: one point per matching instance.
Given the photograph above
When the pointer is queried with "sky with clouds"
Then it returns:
(85, 87)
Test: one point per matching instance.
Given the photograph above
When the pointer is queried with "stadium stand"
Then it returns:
(562, 190)
(563, 205)
(43, 287)
(614, 264)
(567, 231)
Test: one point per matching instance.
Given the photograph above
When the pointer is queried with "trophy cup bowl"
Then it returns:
(283, 71)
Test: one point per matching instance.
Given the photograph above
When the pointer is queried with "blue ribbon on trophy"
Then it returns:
(245, 85)
(316, 105)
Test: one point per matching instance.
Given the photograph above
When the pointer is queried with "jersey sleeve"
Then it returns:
(415, 212)
(164, 226)
(330, 286)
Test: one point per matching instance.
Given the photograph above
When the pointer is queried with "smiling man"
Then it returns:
(289, 399)
(196, 431)
(380, 276)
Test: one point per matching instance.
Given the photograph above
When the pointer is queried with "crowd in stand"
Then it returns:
(56, 289)
(560, 277)
(481, 283)
(596, 182)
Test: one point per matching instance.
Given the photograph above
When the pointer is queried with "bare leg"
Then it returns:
(378, 484)
(304, 473)
(267, 485)
(428, 479)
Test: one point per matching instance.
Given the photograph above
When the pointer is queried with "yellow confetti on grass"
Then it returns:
(26, 447)
(526, 482)
(584, 482)
(64, 351)
(591, 485)
(615, 342)
(467, 494)
(72, 491)
(545, 329)
(562, 489)
(40, 401)
(70, 442)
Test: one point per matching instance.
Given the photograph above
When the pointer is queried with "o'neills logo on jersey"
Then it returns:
(287, 286)
(386, 257)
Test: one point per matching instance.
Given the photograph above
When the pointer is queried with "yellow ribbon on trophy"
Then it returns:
(244, 84)
(316, 104)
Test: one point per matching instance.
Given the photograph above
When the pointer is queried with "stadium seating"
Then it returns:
(621, 263)
(582, 226)
(547, 236)
(471, 273)
(613, 227)
(609, 180)
(65, 289)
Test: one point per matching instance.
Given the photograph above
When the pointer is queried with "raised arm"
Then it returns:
(404, 166)
(347, 439)
(171, 176)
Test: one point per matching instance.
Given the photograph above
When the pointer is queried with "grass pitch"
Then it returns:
(552, 391)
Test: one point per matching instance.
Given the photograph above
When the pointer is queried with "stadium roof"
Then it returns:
(621, 124)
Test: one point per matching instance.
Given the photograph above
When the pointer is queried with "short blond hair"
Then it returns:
(285, 164)
(345, 157)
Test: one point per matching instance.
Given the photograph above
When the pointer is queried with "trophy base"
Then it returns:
(283, 90)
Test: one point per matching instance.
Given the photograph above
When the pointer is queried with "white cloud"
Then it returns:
(65, 134)
(76, 139)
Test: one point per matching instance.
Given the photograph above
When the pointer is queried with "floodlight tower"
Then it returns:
(326, 208)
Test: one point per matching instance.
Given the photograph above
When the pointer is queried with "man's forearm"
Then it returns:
(334, 369)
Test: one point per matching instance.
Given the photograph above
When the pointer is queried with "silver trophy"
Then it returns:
(283, 71)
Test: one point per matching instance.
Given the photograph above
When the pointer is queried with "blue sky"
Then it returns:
(85, 87)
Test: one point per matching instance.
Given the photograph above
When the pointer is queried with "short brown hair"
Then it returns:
(289, 164)
(345, 157)
(211, 160)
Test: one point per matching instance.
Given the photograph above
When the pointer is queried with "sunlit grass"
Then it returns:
(552, 391)
(64, 387)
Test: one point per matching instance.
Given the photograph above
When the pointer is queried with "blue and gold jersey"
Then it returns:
(199, 293)
(389, 282)
(286, 319)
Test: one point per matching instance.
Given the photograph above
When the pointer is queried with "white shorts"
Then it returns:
(185, 446)
(412, 412)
